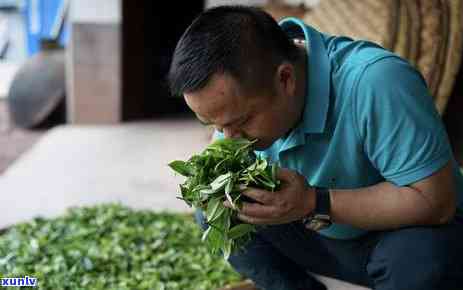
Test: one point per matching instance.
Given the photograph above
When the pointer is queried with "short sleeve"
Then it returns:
(402, 133)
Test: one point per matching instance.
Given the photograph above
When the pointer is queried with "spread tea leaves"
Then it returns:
(113, 247)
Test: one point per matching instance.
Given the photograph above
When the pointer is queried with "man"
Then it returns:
(371, 192)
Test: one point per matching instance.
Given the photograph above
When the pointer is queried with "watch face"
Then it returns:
(316, 224)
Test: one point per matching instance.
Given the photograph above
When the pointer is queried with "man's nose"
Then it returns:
(232, 133)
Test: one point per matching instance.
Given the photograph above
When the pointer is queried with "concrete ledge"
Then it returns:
(334, 284)
(84, 165)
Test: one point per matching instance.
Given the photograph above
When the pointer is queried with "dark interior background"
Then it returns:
(150, 33)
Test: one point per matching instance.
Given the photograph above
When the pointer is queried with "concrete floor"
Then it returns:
(14, 141)
(84, 165)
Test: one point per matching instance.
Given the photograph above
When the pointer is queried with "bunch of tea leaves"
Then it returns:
(221, 172)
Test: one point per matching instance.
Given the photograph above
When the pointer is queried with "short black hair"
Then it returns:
(242, 41)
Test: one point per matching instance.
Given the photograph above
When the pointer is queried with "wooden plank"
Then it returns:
(93, 74)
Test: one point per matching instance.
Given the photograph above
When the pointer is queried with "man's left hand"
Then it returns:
(293, 201)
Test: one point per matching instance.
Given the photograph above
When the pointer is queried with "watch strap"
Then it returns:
(320, 217)
(322, 201)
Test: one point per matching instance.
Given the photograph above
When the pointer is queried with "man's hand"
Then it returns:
(293, 201)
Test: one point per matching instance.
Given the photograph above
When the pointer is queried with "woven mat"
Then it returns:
(428, 33)
(414, 28)
(454, 54)
(432, 40)
(366, 19)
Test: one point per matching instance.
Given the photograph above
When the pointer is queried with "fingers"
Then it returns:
(254, 209)
(259, 195)
(253, 220)
(257, 210)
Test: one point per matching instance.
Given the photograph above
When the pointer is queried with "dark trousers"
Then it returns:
(416, 258)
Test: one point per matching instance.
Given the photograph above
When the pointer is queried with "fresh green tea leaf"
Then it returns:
(183, 168)
(218, 213)
(206, 233)
(212, 207)
(229, 186)
(227, 248)
(274, 172)
(262, 165)
(220, 182)
(240, 230)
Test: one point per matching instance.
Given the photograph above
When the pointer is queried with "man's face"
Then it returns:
(225, 105)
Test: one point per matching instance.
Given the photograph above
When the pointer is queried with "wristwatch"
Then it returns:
(320, 217)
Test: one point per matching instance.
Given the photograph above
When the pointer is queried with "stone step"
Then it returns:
(330, 283)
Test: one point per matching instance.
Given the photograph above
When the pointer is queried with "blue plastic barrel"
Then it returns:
(40, 16)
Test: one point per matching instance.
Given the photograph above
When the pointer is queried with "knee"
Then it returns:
(408, 264)
(406, 273)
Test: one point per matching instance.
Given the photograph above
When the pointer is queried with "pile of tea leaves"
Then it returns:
(113, 247)
(221, 172)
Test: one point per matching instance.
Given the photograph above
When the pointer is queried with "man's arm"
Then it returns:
(383, 206)
(386, 206)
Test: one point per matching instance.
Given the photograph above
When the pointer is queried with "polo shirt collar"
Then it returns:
(318, 91)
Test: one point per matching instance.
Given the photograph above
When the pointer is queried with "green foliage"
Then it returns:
(221, 172)
(113, 247)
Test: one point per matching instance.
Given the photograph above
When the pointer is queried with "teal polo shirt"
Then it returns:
(368, 118)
